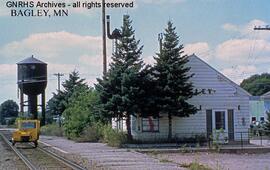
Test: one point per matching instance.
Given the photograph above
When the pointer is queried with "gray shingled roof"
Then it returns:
(31, 60)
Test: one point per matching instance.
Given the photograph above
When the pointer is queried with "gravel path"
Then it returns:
(222, 161)
(8, 159)
(101, 156)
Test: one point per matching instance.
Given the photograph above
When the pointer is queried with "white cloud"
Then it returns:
(230, 27)
(201, 49)
(247, 30)
(54, 45)
(238, 73)
(91, 60)
(7, 69)
(60, 68)
(247, 53)
(243, 51)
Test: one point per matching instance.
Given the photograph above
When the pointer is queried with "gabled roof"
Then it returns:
(31, 60)
(223, 76)
(267, 94)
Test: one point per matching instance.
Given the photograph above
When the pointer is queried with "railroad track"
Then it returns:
(39, 158)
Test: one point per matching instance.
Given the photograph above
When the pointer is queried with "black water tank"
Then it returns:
(32, 76)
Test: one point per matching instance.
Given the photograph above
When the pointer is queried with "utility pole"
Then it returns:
(58, 75)
(267, 27)
(160, 38)
(104, 38)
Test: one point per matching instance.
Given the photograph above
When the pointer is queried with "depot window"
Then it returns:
(150, 124)
(220, 119)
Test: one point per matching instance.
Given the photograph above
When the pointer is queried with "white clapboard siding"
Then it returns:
(227, 95)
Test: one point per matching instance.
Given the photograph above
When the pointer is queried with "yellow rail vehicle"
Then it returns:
(28, 131)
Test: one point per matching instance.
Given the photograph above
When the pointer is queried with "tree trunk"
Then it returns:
(170, 127)
(128, 124)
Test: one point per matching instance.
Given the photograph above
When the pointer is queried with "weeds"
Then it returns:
(184, 148)
(113, 137)
(165, 161)
(52, 130)
(195, 166)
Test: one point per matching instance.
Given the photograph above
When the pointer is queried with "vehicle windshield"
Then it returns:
(28, 125)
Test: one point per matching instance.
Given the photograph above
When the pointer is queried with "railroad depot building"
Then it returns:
(222, 104)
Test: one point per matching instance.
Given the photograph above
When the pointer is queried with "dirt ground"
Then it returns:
(218, 161)
(8, 159)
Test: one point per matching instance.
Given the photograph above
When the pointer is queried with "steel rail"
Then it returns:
(23, 158)
(62, 159)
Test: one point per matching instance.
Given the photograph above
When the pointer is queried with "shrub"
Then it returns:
(52, 130)
(80, 112)
(100, 132)
(113, 137)
(91, 133)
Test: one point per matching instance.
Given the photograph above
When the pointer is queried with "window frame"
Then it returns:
(225, 119)
(154, 119)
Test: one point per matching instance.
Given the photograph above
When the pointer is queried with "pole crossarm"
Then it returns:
(267, 27)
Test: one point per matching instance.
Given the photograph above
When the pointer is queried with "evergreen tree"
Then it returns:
(58, 103)
(172, 79)
(119, 88)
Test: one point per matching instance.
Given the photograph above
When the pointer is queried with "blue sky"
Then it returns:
(218, 31)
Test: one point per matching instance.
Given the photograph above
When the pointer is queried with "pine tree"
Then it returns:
(172, 79)
(58, 103)
(120, 87)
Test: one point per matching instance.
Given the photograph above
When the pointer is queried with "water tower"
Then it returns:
(32, 81)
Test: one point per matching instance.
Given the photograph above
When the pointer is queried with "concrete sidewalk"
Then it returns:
(101, 156)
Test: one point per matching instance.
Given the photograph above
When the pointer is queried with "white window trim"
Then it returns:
(214, 119)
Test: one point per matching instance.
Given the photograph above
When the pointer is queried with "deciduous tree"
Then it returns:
(9, 108)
